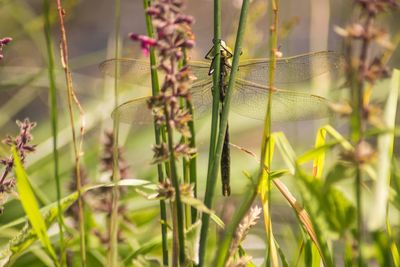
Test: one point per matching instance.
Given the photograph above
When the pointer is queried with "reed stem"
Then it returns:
(77, 146)
(211, 180)
(157, 134)
(222, 252)
(112, 257)
(54, 124)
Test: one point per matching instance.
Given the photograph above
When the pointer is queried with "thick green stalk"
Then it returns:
(179, 226)
(192, 144)
(213, 135)
(157, 133)
(112, 257)
(222, 253)
(54, 123)
(357, 129)
(225, 112)
(268, 117)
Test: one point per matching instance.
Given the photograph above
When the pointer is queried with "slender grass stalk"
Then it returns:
(222, 252)
(191, 165)
(112, 256)
(357, 129)
(267, 124)
(178, 224)
(54, 123)
(211, 180)
(193, 160)
(76, 146)
(223, 249)
(157, 133)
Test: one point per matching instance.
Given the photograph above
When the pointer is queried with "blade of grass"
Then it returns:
(31, 207)
(54, 123)
(385, 152)
(222, 253)
(27, 236)
(318, 164)
(158, 133)
(211, 180)
(380, 214)
(266, 147)
(112, 255)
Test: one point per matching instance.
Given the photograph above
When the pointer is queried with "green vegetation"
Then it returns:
(122, 169)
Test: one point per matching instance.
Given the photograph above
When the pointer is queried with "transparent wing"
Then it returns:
(291, 69)
(138, 71)
(251, 100)
(136, 111)
(129, 70)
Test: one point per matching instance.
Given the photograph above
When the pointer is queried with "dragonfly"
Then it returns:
(250, 90)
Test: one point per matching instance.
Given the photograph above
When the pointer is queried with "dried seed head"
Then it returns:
(363, 153)
(107, 160)
(373, 7)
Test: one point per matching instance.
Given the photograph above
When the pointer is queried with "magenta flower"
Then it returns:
(4, 41)
(145, 42)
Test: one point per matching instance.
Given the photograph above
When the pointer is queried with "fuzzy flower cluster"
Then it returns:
(366, 32)
(21, 144)
(173, 36)
(4, 41)
(361, 68)
(100, 200)
(248, 222)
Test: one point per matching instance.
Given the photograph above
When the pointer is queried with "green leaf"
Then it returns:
(377, 212)
(27, 235)
(31, 206)
(200, 206)
(286, 150)
(193, 241)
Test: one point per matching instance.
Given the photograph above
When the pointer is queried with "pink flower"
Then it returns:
(145, 42)
(3, 42)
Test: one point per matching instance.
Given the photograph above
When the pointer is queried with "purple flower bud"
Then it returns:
(184, 19)
(153, 11)
(5, 40)
(145, 42)
(189, 43)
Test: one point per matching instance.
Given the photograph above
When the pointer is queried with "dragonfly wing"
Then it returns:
(134, 111)
(129, 70)
(251, 100)
(202, 98)
(291, 69)
(138, 71)
(200, 70)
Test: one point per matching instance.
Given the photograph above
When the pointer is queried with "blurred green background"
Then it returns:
(305, 26)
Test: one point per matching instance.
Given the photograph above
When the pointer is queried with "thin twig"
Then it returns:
(76, 145)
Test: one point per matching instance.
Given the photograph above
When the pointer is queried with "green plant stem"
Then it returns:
(77, 147)
(223, 249)
(192, 161)
(158, 134)
(211, 180)
(112, 257)
(268, 118)
(192, 144)
(224, 246)
(357, 129)
(178, 227)
(54, 123)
